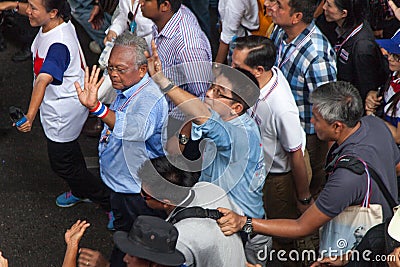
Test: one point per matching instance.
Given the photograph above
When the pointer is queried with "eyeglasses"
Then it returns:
(145, 195)
(118, 70)
(395, 57)
(217, 93)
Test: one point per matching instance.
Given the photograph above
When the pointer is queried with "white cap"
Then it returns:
(394, 226)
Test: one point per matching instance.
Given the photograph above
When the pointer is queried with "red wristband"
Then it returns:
(96, 107)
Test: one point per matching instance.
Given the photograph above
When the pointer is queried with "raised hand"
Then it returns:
(3, 261)
(88, 95)
(96, 18)
(396, 10)
(154, 66)
(74, 234)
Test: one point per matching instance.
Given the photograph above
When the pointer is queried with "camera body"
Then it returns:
(17, 116)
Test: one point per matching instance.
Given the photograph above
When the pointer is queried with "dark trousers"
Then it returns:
(317, 150)
(126, 208)
(67, 161)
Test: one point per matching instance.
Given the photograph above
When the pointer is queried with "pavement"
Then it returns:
(32, 227)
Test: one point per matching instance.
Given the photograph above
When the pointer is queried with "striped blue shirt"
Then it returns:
(307, 62)
(179, 42)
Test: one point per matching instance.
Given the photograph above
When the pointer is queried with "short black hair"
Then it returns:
(306, 7)
(262, 51)
(167, 178)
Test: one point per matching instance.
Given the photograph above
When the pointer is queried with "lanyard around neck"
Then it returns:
(298, 46)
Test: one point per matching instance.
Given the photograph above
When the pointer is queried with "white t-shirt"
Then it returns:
(57, 52)
(120, 22)
(278, 119)
(236, 15)
(201, 240)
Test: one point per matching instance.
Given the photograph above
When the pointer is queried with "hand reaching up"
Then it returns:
(74, 234)
(88, 95)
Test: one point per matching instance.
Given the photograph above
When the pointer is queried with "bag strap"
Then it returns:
(194, 212)
(357, 166)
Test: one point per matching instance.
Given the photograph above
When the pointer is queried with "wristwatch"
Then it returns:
(248, 226)
(305, 201)
(167, 88)
(183, 139)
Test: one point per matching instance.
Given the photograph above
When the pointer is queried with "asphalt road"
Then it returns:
(31, 225)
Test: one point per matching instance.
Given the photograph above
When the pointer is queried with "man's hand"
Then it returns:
(396, 10)
(96, 18)
(111, 35)
(90, 257)
(372, 101)
(333, 261)
(394, 259)
(231, 222)
(3, 261)
(154, 66)
(88, 95)
(302, 208)
(74, 234)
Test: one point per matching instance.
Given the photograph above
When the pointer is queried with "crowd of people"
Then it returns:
(207, 164)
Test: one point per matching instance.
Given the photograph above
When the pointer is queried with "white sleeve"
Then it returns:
(119, 24)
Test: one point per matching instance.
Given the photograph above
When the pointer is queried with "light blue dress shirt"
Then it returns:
(138, 135)
(233, 159)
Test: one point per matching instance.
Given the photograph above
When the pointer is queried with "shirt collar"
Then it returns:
(171, 28)
(302, 35)
(130, 91)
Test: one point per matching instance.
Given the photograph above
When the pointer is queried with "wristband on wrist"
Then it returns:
(167, 88)
(100, 110)
(16, 9)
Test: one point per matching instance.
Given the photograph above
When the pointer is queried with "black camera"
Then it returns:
(17, 116)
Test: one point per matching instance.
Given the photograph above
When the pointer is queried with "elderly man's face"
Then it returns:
(121, 68)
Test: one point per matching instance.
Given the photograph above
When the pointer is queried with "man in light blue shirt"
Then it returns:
(232, 157)
(132, 132)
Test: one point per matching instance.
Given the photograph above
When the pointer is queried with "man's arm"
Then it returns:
(311, 220)
(189, 104)
(300, 177)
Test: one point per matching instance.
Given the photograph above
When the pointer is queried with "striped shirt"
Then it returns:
(307, 62)
(179, 42)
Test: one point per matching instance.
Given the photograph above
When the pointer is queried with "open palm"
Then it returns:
(88, 95)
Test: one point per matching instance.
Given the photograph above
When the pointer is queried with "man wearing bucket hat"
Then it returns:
(151, 242)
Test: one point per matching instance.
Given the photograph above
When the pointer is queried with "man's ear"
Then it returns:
(237, 108)
(165, 6)
(258, 71)
(142, 70)
(297, 17)
(338, 126)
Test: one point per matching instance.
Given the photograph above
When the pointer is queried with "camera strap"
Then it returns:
(355, 165)
(194, 212)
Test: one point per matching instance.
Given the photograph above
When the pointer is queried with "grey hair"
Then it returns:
(338, 101)
(136, 42)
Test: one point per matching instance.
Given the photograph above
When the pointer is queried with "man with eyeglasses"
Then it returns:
(132, 132)
(232, 157)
